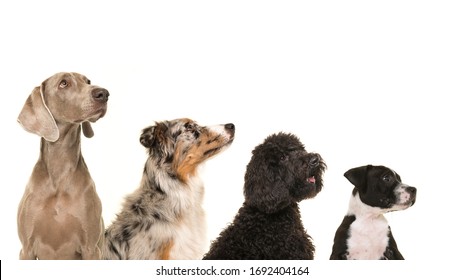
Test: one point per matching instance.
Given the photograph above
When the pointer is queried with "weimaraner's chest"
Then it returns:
(56, 218)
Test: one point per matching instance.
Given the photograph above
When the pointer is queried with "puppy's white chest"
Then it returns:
(368, 239)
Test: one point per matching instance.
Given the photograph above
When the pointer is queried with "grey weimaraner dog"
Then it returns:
(59, 216)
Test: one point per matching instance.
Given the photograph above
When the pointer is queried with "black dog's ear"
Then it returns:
(358, 176)
(263, 189)
(153, 134)
(268, 198)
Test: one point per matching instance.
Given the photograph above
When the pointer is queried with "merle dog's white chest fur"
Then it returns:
(368, 234)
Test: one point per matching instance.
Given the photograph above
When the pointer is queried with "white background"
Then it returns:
(360, 82)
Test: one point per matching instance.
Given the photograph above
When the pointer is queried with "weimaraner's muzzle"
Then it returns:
(59, 216)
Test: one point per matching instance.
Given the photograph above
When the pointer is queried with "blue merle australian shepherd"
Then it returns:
(163, 218)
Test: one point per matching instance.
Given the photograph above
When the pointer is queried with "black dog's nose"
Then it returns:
(100, 94)
(314, 161)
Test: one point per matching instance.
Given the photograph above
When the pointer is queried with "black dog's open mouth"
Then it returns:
(311, 186)
(311, 180)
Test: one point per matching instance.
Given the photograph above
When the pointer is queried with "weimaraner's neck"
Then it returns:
(63, 156)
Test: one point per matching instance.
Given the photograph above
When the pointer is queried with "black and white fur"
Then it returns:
(364, 234)
(164, 218)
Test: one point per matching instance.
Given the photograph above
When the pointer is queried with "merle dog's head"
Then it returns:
(281, 172)
(179, 146)
(381, 187)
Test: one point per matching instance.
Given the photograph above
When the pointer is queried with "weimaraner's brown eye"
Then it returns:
(63, 84)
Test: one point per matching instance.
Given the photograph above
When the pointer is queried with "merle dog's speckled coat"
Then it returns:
(268, 226)
(163, 218)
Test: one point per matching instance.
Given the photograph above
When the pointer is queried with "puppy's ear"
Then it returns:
(36, 118)
(87, 129)
(358, 176)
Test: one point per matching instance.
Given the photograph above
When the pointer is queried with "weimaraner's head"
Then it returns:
(63, 98)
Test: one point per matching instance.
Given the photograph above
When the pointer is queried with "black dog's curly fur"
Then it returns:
(268, 225)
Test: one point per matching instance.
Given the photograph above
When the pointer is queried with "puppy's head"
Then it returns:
(180, 146)
(282, 172)
(379, 186)
(63, 98)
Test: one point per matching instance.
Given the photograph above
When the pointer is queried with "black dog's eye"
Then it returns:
(63, 84)
(284, 158)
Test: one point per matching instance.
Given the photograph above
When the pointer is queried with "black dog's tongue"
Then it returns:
(311, 180)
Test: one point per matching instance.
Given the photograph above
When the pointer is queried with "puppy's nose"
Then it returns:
(314, 161)
(100, 94)
(411, 191)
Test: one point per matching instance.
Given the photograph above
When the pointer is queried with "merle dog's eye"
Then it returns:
(63, 84)
(189, 127)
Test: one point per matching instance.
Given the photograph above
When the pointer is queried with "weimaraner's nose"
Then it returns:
(100, 94)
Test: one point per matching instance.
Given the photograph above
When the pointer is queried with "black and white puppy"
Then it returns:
(364, 234)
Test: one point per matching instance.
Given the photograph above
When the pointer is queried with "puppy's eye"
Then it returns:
(387, 178)
(63, 84)
(284, 158)
(89, 82)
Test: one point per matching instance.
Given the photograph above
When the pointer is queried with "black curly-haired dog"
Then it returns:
(268, 225)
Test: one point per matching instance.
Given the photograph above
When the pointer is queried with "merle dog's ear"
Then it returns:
(358, 176)
(263, 188)
(153, 134)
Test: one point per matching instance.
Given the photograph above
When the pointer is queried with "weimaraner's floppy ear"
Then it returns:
(35, 117)
(87, 129)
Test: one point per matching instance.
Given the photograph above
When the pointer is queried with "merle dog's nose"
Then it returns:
(100, 94)
(314, 161)
(230, 128)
